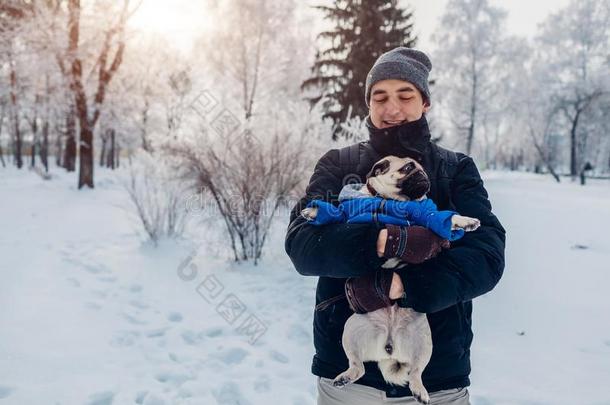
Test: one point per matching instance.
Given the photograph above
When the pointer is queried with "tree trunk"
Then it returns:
(111, 151)
(573, 140)
(1, 150)
(15, 118)
(118, 154)
(69, 159)
(85, 154)
(34, 127)
(44, 149)
(106, 70)
(58, 150)
(473, 109)
(103, 149)
(33, 153)
(144, 133)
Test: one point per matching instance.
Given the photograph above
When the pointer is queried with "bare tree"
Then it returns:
(247, 192)
(468, 56)
(156, 196)
(2, 110)
(573, 50)
(108, 61)
(14, 113)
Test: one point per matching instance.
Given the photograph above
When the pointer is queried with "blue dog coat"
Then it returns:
(356, 207)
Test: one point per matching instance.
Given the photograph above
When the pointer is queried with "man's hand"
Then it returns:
(369, 293)
(396, 288)
(412, 244)
(381, 239)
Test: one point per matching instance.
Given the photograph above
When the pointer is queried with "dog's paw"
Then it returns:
(466, 223)
(419, 391)
(422, 398)
(310, 213)
(341, 381)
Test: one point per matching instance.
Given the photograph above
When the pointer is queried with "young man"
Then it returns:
(442, 284)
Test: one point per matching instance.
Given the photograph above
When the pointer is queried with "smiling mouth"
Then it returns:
(394, 123)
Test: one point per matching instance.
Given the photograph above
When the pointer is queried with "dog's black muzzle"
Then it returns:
(415, 184)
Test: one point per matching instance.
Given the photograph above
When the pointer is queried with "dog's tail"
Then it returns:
(394, 372)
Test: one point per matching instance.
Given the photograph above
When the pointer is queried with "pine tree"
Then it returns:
(362, 31)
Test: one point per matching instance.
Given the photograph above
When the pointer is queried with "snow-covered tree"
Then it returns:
(360, 32)
(468, 60)
(572, 55)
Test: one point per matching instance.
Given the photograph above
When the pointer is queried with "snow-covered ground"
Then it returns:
(90, 314)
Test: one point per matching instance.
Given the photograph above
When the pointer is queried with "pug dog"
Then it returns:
(401, 179)
(398, 339)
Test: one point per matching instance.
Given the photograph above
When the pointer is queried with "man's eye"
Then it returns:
(406, 99)
(381, 100)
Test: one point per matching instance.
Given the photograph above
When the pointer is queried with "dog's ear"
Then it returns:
(379, 168)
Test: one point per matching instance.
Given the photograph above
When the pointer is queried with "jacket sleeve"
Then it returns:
(332, 250)
(473, 265)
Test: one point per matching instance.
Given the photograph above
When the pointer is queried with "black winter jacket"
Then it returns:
(442, 287)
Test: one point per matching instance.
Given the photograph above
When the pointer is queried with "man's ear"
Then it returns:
(426, 106)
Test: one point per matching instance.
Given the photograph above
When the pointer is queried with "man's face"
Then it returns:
(394, 102)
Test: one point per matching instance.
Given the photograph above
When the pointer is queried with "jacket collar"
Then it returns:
(411, 139)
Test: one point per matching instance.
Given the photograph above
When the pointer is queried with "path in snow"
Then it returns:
(91, 315)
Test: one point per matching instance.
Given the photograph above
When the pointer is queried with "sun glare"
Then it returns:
(180, 21)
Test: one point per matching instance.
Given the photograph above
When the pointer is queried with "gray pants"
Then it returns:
(358, 394)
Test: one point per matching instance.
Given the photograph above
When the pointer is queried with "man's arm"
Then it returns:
(474, 264)
(334, 250)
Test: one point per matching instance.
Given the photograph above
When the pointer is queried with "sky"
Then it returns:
(181, 21)
(523, 16)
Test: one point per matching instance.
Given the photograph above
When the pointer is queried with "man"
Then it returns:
(444, 282)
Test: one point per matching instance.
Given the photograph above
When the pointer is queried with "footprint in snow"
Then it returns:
(140, 395)
(99, 293)
(5, 391)
(215, 332)
(229, 394)
(174, 316)
(133, 320)
(279, 357)
(93, 305)
(107, 279)
(139, 304)
(190, 337)
(298, 333)
(232, 356)
(93, 268)
(154, 399)
(160, 332)
(262, 384)
(171, 377)
(101, 398)
(135, 288)
(73, 281)
(124, 338)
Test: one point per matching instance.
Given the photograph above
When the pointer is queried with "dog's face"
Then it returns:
(402, 179)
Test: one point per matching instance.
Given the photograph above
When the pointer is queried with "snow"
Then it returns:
(93, 314)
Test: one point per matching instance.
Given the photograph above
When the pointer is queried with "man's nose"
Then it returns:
(392, 108)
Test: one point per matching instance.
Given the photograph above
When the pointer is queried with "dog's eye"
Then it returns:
(409, 167)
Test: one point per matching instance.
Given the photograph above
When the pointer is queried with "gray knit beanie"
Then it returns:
(402, 64)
